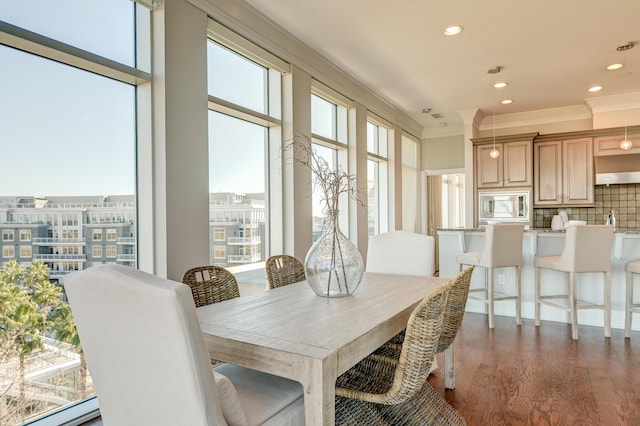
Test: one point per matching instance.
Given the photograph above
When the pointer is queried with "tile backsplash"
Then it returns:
(623, 199)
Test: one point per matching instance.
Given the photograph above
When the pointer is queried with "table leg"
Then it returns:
(320, 392)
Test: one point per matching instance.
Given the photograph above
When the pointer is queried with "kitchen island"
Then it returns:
(543, 242)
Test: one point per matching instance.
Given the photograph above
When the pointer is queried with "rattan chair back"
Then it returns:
(211, 284)
(283, 270)
(393, 383)
(412, 368)
(454, 309)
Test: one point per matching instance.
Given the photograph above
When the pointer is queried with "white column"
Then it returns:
(472, 119)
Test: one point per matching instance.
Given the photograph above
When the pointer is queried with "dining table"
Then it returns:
(291, 332)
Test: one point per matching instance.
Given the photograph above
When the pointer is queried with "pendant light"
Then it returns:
(494, 153)
(625, 144)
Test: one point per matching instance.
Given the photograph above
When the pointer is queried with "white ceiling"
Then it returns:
(551, 51)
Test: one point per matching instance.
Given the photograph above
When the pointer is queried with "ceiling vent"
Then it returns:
(437, 115)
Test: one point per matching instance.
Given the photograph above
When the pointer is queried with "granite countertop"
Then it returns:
(630, 231)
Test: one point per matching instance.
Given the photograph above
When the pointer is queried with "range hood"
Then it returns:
(615, 169)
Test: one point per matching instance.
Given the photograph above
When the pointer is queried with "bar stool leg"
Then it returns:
(628, 314)
(490, 295)
(536, 272)
(518, 285)
(573, 301)
(607, 304)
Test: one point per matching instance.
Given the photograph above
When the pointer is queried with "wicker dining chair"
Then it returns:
(211, 284)
(453, 315)
(282, 270)
(398, 388)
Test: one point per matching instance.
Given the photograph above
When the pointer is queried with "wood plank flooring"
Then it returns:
(531, 375)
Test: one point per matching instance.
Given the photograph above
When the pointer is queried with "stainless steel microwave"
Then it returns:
(503, 206)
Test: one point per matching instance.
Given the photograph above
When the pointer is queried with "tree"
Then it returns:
(64, 328)
(27, 303)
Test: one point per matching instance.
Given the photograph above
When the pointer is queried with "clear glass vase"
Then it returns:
(333, 265)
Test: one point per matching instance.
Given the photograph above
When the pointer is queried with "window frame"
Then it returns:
(275, 68)
(339, 140)
(50, 49)
(6, 233)
(381, 180)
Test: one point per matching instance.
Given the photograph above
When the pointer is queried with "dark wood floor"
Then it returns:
(524, 375)
(527, 375)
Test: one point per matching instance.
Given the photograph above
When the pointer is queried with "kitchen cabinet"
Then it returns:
(563, 172)
(610, 144)
(513, 168)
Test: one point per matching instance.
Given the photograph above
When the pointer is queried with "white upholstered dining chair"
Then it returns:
(401, 252)
(149, 364)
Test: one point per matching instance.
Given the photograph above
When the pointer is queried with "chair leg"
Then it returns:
(629, 304)
(573, 301)
(449, 373)
(518, 290)
(489, 274)
(536, 272)
(607, 304)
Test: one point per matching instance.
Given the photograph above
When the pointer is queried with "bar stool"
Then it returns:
(502, 249)
(632, 267)
(587, 248)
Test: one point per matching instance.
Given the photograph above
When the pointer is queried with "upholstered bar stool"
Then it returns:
(632, 267)
(502, 249)
(587, 248)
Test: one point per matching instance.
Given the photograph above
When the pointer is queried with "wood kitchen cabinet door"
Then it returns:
(489, 171)
(577, 165)
(511, 168)
(517, 163)
(563, 172)
(547, 172)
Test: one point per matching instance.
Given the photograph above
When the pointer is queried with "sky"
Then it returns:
(64, 131)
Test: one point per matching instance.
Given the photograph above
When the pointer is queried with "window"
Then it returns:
(329, 119)
(96, 235)
(96, 251)
(112, 235)
(219, 234)
(220, 252)
(453, 200)
(25, 235)
(86, 103)
(244, 122)
(377, 178)
(25, 251)
(8, 252)
(7, 235)
(112, 250)
(410, 176)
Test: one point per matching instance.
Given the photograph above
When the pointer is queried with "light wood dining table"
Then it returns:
(291, 332)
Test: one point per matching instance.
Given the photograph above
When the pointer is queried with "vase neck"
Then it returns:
(331, 218)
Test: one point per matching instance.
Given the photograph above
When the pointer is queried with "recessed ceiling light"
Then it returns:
(453, 30)
(506, 102)
(614, 67)
(501, 84)
(595, 88)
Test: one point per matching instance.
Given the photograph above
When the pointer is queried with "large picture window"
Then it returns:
(329, 128)
(244, 115)
(68, 84)
(377, 178)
